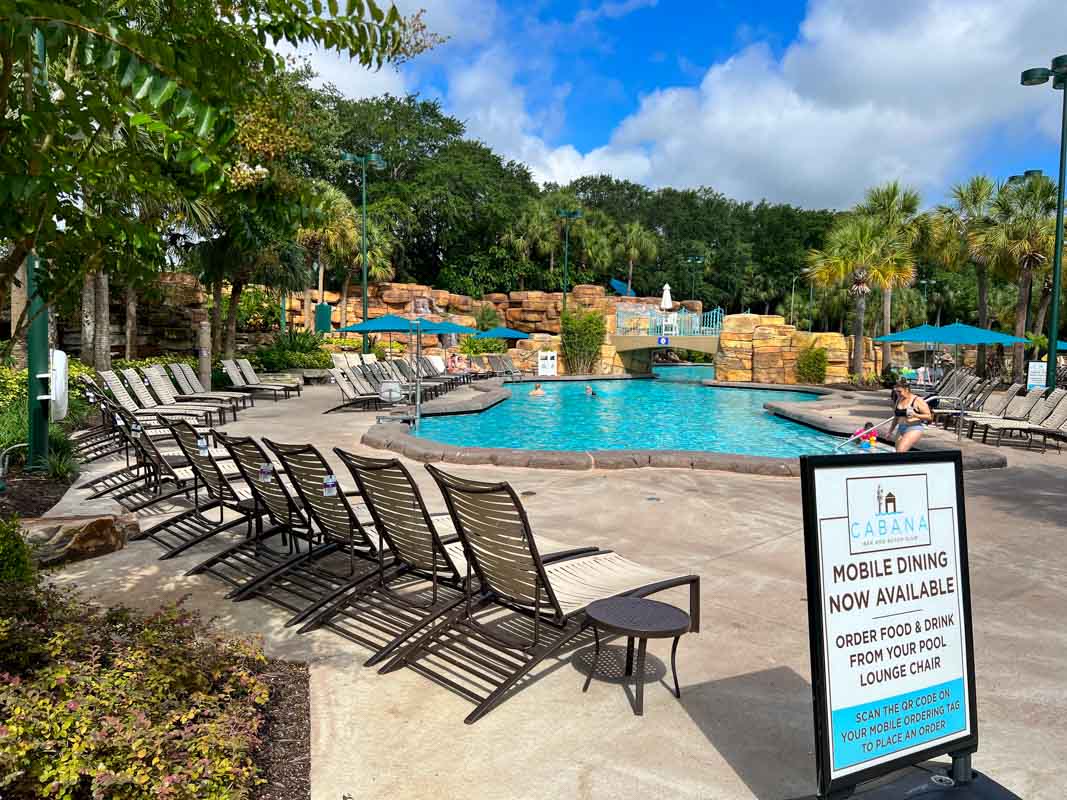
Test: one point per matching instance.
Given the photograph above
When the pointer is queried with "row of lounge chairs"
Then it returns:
(470, 598)
(366, 382)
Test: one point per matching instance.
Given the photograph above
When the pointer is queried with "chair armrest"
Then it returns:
(576, 552)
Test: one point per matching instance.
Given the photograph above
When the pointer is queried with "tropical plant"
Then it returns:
(16, 559)
(811, 365)
(636, 243)
(486, 317)
(473, 346)
(859, 251)
(333, 238)
(897, 211)
(956, 239)
(581, 335)
(1020, 238)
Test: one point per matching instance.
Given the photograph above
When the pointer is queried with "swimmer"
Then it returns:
(537, 391)
(589, 391)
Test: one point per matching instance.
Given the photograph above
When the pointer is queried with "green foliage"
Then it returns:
(889, 376)
(487, 317)
(120, 704)
(472, 346)
(582, 334)
(143, 363)
(258, 310)
(383, 349)
(62, 466)
(16, 561)
(294, 350)
(811, 365)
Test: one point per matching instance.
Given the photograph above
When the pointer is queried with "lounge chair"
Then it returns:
(1048, 414)
(351, 397)
(500, 368)
(252, 378)
(238, 382)
(189, 385)
(122, 397)
(164, 390)
(424, 547)
(209, 413)
(1018, 408)
(511, 574)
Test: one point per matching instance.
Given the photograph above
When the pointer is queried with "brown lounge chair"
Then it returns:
(253, 379)
(239, 384)
(425, 549)
(502, 554)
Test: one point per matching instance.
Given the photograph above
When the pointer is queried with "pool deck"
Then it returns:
(743, 726)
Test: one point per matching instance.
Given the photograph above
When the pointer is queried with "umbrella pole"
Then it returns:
(418, 374)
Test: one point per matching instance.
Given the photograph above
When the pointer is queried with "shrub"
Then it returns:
(16, 562)
(811, 365)
(258, 310)
(582, 334)
(383, 349)
(294, 350)
(472, 346)
(486, 318)
(889, 376)
(118, 704)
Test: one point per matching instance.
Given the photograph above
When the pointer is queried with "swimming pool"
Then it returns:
(635, 415)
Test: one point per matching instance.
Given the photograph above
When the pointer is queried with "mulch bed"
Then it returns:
(30, 495)
(284, 753)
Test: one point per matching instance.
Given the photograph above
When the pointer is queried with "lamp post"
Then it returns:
(811, 304)
(568, 217)
(792, 300)
(377, 162)
(1036, 77)
(926, 282)
(693, 273)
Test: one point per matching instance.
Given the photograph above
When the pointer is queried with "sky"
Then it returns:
(803, 103)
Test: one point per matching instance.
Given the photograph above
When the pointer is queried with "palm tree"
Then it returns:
(516, 239)
(954, 241)
(1020, 237)
(379, 263)
(332, 239)
(897, 210)
(859, 253)
(636, 242)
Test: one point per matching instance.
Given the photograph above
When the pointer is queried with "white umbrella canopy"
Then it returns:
(666, 303)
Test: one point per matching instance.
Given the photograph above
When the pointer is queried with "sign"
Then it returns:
(889, 614)
(547, 363)
(663, 340)
(1036, 375)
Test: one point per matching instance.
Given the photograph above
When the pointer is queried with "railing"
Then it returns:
(654, 322)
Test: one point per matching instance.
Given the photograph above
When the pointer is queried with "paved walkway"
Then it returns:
(743, 726)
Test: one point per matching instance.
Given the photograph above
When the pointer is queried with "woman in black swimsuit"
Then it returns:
(910, 415)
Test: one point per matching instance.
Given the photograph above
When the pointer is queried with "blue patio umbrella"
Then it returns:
(390, 323)
(958, 333)
(502, 333)
(446, 327)
(921, 333)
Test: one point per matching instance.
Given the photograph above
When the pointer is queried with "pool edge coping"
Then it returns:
(396, 437)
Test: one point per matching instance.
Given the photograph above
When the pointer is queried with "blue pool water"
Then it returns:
(691, 373)
(634, 415)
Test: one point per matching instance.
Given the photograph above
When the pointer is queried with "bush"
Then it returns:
(258, 311)
(383, 350)
(142, 363)
(889, 376)
(16, 562)
(118, 704)
(582, 334)
(294, 350)
(472, 346)
(811, 365)
(486, 318)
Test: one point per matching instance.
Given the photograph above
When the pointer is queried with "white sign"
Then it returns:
(1037, 375)
(546, 363)
(891, 615)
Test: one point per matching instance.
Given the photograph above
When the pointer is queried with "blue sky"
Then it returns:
(808, 103)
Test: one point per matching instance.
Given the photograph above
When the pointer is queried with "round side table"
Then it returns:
(641, 619)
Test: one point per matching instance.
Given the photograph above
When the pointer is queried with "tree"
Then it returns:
(956, 240)
(332, 239)
(379, 266)
(896, 209)
(636, 242)
(858, 248)
(1020, 237)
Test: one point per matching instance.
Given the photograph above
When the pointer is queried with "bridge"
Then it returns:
(647, 329)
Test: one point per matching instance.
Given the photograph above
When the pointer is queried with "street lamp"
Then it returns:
(693, 273)
(377, 162)
(792, 300)
(926, 282)
(568, 217)
(1036, 77)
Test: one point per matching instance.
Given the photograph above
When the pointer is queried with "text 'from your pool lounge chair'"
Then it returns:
(510, 573)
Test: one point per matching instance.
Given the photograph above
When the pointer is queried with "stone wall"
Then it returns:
(763, 349)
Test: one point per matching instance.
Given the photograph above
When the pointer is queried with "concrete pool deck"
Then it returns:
(743, 726)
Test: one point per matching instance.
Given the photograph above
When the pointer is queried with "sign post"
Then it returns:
(889, 620)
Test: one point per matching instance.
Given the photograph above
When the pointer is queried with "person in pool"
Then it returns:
(537, 391)
(589, 391)
(910, 415)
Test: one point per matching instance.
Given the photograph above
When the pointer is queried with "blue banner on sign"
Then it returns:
(872, 730)
(663, 340)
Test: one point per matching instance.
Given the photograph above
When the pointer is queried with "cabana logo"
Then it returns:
(887, 512)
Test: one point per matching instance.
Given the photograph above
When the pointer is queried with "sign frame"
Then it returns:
(964, 745)
(1036, 376)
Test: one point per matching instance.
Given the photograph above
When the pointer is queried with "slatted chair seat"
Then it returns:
(164, 391)
(137, 385)
(239, 383)
(581, 581)
(350, 395)
(190, 385)
(122, 397)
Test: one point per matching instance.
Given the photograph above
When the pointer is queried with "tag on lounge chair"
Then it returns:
(136, 427)
(266, 473)
(120, 422)
(201, 445)
(91, 398)
(329, 486)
